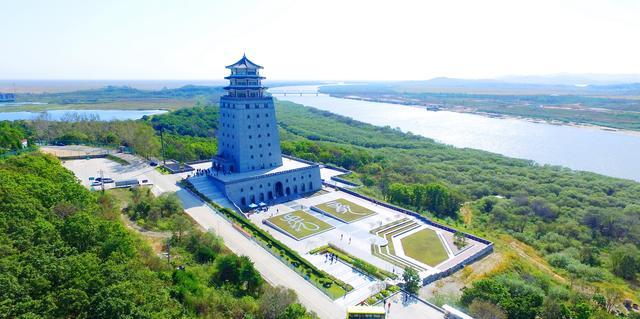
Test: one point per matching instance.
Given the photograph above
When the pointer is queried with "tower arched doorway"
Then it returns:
(279, 189)
(288, 191)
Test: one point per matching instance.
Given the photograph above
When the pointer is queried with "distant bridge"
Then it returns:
(293, 93)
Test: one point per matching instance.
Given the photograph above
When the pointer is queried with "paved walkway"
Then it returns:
(410, 308)
(271, 269)
(363, 286)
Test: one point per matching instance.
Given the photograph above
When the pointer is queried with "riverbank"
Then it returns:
(470, 110)
(159, 104)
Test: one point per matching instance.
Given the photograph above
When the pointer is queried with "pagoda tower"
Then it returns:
(247, 134)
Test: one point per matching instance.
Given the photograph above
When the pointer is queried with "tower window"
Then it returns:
(251, 146)
(266, 115)
(248, 116)
(249, 126)
(246, 106)
(266, 105)
(250, 136)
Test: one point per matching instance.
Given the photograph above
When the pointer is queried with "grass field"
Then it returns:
(344, 210)
(299, 224)
(424, 246)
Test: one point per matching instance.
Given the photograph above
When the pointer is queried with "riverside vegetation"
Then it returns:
(567, 240)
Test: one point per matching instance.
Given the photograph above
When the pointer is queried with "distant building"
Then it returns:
(24, 143)
(249, 166)
(7, 97)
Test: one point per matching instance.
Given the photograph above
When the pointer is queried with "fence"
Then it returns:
(335, 168)
(344, 181)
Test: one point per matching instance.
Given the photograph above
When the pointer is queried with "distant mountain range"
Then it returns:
(574, 79)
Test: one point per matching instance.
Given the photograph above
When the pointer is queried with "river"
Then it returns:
(581, 148)
(103, 115)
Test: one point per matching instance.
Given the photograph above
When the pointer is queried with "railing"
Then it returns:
(263, 175)
(344, 181)
(336, 168)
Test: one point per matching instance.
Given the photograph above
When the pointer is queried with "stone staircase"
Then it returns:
(207, 187)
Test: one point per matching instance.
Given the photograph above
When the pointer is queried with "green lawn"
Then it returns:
(424, 246)
(299, 224)
(344, 210)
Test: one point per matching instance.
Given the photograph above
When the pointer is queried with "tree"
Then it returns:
(459, 239)
(275, 300)
(480, 309)
(411, 280)
(296, 311)
(625, 261)
(612, 297)
(238, 274)
(488, 290)
(179, 226)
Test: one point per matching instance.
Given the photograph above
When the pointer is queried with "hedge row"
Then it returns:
(356, 262)
(382, 295)
(283, 250)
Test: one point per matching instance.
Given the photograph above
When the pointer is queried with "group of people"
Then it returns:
(200, 172)
(330, 257)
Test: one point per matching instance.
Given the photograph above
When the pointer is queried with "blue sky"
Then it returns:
(328, 40)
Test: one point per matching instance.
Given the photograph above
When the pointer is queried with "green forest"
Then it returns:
(567, 241)
(64, 253)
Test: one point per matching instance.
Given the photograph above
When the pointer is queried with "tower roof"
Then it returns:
(244, 63)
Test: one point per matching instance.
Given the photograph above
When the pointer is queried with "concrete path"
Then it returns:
(271, 268)
(410, 308)
(363, 286)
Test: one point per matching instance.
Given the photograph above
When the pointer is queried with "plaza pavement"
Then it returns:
(410, 308)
